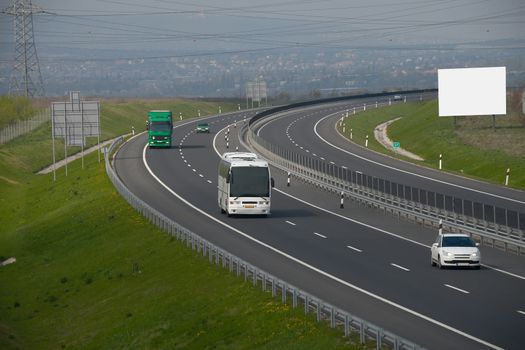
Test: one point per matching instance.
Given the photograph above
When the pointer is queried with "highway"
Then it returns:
(356, 258)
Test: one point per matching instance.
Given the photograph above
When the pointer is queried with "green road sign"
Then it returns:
(396, 144)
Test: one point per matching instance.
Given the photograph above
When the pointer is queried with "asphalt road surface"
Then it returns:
(357, 258)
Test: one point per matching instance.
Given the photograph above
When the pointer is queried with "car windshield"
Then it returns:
(458, 241)
(202, 125)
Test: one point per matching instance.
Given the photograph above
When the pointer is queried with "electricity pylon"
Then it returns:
(26, 78)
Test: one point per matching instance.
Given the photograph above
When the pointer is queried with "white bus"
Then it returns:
(244, 184)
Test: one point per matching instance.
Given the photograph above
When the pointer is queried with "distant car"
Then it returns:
(203, 127)
(455, 249)
(398, 97)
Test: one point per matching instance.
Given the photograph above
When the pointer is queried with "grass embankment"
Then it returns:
(470, 148)
(13, 109)
(116, 118)
(93, 273)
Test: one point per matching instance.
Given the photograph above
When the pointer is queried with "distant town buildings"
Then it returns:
(287, 74)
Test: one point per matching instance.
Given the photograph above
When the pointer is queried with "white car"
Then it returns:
(455, 249)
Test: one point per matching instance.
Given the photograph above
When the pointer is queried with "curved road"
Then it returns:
(372, 270)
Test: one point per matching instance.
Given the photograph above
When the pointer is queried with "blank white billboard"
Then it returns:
(472, 91)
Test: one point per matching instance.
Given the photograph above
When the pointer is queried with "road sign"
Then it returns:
(396, 144)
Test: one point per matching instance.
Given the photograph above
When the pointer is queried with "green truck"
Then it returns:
(160, 128)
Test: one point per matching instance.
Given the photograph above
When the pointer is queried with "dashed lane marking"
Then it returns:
(458, 289)
(354, 248)
(400, 267)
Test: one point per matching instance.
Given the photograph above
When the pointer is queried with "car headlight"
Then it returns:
(448, 254)
(474, 255)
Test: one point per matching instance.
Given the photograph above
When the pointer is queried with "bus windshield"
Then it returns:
(160, 126)
(249, 182)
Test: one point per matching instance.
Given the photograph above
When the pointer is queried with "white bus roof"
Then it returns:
(239, 155)
(241, 159)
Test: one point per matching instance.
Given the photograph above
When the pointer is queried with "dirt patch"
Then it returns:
(9, 181)
(380, 133)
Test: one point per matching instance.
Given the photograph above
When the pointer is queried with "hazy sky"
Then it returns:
(203, 26)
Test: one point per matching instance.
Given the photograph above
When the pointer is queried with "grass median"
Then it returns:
(93, 273)
(471, 147)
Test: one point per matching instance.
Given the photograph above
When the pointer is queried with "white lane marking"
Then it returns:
(456, 288)
(354, 248)
(291, 223)
(209, 181)
(194, 170)
(399, 267)
(409, 172)
(320, 235)
(521, 312)
(313, 268)
(200, 175)
(185, 161)
(315, 155)
(322, 158)
(189, 165)
(384, 231)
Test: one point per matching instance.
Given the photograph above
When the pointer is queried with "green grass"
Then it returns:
(470, 148)
(116, 118)
(93, 273)
(14, 109)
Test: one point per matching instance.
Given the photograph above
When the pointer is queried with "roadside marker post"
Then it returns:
(288, 180)
(366, 141)
(440, 161)
(342, 205)
(440, 230)
(507, 175)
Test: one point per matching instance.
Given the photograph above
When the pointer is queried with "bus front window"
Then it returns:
(249, 182)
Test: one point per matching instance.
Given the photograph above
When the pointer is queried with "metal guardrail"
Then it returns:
(492, 225)
(323, 310)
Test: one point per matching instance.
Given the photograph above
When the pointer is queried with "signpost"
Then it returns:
(74, 120)
(256, 91)
(396, 144)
